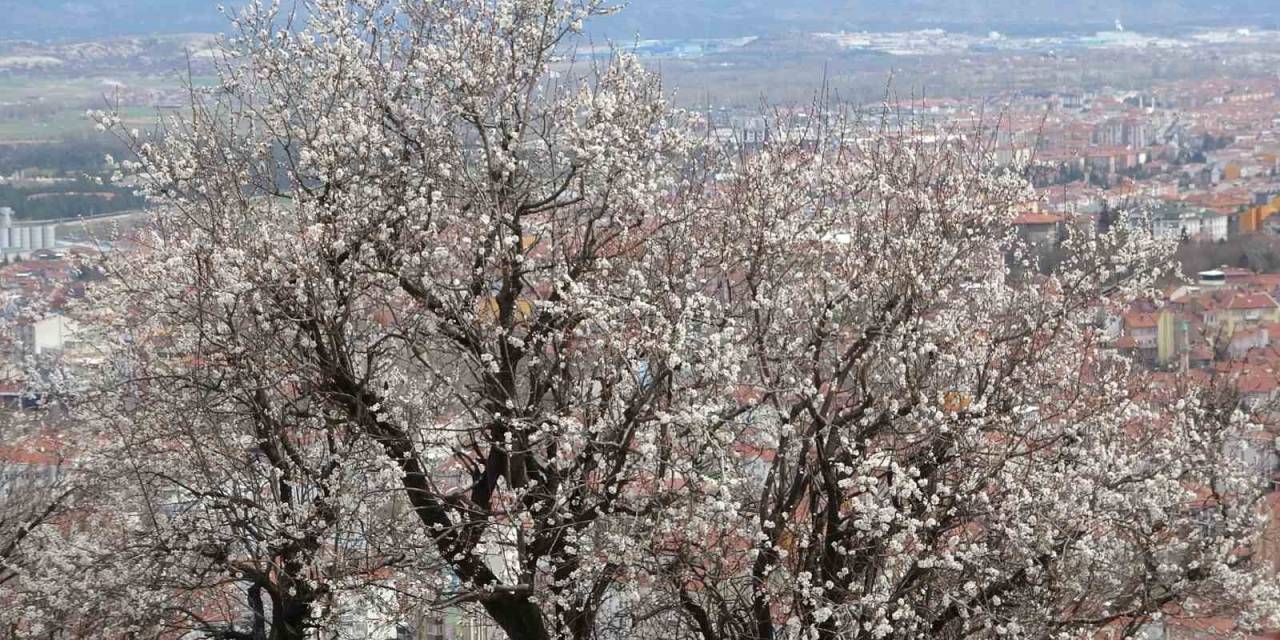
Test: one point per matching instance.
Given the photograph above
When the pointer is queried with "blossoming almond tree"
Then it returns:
(622, 386)
(420, 241)
(938, 445)
(34, 492)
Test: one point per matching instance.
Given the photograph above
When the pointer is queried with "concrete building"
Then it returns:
(46, 335)
(23, 238)
(1177, 221)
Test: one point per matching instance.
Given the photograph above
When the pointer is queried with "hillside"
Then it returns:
(92, 19)
(721, 18)
(84, 19)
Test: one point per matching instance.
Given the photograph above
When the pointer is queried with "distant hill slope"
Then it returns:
(92, 19)
(83, 19)
(711, 18)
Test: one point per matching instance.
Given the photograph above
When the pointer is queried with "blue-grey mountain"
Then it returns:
(84, 19)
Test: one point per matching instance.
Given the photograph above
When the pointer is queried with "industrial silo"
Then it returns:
(7, 239)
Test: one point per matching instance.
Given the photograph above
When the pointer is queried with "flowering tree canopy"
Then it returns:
(434, 315)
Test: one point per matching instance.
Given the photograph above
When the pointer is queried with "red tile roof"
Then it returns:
(1037, 218)
(1141, 320)
(1244, 301)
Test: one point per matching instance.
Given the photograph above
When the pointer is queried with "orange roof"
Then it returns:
(1257, 381)
(1141, 320)
(39, 450)
(1252, 301)
(1037, 218)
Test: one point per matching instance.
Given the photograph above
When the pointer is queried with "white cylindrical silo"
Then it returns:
(24, 237)
(4, 237)
(49, 236)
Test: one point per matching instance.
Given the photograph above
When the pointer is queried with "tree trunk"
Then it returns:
(289, 618)
(519, 618)
(259, 630)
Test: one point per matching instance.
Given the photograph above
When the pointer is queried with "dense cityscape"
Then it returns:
(427, 321)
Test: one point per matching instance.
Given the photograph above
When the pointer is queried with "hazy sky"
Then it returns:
(78, 19)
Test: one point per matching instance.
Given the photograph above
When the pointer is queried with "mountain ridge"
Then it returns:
(51, 20)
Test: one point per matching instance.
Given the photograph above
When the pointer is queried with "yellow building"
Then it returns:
(1167, 338)
(1241, 309)
(1252, 219)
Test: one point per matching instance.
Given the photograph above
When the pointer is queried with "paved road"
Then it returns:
(122, 215)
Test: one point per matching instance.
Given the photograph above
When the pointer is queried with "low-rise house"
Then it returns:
(1179, 221)
(1242, 308)
(1247, 339)
(1143, 328)
(1038, 228)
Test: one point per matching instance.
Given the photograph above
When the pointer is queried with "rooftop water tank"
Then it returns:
(1212, 278)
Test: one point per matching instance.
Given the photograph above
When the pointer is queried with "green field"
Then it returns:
(67, 123)
(45, 109)
(22, 87)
